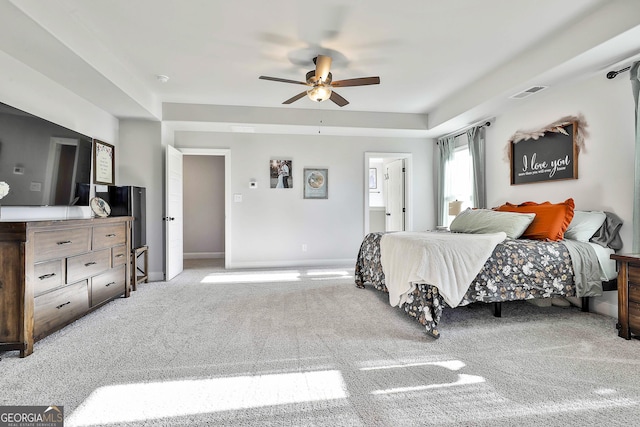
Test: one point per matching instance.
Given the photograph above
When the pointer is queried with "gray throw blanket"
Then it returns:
(607, 235)
(586, 268)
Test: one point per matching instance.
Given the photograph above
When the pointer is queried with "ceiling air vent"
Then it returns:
(528, 92)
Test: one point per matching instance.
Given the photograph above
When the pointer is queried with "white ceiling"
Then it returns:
(457, 61)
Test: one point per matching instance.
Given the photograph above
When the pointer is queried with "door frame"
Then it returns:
(408, 188)
(226, 152)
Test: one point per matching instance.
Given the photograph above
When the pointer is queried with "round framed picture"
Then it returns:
(100, 207)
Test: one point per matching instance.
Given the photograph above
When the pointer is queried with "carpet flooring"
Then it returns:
(305, 347)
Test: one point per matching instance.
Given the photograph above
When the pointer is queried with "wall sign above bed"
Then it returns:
(549, 154)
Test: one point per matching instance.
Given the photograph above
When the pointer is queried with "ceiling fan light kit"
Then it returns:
(321, 83)
(319, 93)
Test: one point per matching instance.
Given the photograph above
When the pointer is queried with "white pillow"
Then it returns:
(584, 225)
(484, 221)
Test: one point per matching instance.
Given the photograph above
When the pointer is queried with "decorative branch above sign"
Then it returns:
(547, 154)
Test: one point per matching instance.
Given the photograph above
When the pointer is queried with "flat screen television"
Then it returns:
(45, 164)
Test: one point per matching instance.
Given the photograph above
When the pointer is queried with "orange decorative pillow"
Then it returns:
(551, 220)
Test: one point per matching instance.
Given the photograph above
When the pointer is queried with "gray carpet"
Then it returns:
(307, 348)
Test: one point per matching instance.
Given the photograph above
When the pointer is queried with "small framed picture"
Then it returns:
(316, 183)
(373, 178)
(281, 173)
(103, 163)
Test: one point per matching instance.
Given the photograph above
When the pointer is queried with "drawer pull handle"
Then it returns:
(90, 263)
(46, 276)
(119, 255)
(66, 242)
(109, 284)
(62, 305)
(110, 235)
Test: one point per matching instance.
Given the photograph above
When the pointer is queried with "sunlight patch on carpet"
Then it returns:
(161, 400)
(252, 277)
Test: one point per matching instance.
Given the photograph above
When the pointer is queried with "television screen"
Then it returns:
(44, 164)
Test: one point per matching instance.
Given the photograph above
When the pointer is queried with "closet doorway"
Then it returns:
(204, 204)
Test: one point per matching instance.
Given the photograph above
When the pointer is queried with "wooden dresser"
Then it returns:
(628, 294)
(53, 272)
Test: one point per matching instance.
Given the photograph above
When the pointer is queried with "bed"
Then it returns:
(514, 269)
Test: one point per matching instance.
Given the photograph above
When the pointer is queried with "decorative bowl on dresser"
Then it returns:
(54, 272)
(628, 294)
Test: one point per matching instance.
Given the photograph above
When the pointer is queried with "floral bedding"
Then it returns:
(516, 270)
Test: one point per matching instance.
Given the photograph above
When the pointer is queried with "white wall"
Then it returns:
(270, 226)
(203, 206)
(605, 168)
(140, 162)
(28, 90)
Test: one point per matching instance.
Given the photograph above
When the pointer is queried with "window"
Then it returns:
(459, 175)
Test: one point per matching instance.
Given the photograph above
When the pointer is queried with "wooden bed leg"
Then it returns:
(497, 309)
(585, 304)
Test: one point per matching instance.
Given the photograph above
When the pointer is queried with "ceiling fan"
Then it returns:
(321, 84)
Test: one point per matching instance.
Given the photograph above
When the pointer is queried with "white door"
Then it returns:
(394, 179)
(173, 213)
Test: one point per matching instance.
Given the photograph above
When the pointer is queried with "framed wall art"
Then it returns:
(548, 155)
(316, 183)
(281, 174)
(103, 163)
(373, 178)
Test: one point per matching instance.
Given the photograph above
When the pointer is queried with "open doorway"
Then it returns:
(203, 207)
(387, 192)
(206, 189)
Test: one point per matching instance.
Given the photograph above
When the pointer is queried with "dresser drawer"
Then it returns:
(634, 317)
(59, 307)
(106, 236)
(634, 275)
(48, 275)
(119, 256)
(634, 292)
(61, 243)
(82, 266)
(108, 285)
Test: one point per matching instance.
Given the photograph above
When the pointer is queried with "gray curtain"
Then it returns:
(476, 136)
(635, 86)
(446, 147)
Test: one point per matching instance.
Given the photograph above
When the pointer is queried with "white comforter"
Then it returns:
(449, 261)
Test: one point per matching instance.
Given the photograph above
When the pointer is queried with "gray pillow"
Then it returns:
(482, 221)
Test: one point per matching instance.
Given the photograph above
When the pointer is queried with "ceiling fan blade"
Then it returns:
(323, 64)
(277, 79)
(338, 99)
(295, 98)
(361, 81)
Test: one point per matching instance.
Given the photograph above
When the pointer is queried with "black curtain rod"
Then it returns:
(613, 74)
(487, 123)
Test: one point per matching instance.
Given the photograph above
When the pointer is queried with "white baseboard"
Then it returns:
(203, 255)
(294, 263)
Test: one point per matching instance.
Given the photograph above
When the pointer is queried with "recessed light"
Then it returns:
(162, 78)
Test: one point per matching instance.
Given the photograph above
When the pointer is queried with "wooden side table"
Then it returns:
(628, 294)
(140, 274)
